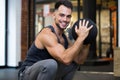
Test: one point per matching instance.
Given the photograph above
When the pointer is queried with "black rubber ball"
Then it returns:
(92, 33)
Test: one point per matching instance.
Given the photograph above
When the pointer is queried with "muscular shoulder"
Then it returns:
(46, 34)
(45, 37)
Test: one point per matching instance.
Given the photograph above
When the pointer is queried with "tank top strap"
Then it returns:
(52, 29)
(64, 36)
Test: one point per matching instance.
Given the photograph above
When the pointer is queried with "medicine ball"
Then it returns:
(92, 33)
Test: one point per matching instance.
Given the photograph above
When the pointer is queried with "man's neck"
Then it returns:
(58, 30)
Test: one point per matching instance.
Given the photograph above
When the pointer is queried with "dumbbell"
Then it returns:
(92, 33)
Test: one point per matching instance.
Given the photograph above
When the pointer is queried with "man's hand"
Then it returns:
(83, 29)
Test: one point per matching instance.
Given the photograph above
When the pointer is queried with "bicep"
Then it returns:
(54, 48)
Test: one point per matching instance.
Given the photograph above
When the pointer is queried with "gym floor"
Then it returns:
(104, 72)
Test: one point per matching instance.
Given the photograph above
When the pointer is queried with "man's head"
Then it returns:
(66, 3)
(63, 13)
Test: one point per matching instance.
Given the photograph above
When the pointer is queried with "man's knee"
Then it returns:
(49, 65)
(52, 65)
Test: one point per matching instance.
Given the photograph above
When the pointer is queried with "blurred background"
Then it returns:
(21, 20)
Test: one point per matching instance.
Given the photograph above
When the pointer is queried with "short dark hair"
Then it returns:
(66, 3)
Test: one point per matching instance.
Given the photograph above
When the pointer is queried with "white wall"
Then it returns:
(2, 32)
(14, 32)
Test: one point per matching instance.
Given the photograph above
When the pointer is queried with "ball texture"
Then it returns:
(92, 33)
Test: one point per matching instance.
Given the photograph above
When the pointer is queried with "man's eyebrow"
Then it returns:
(64, 14)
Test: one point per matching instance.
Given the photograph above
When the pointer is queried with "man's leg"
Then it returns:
(66, 72)
(42, 70)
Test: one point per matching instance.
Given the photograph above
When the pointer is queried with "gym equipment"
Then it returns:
(92, 34)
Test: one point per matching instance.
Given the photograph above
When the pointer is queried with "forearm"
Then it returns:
(82, 56)
(73, 51)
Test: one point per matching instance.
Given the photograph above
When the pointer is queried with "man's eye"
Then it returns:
(62, 15)
(69, 16)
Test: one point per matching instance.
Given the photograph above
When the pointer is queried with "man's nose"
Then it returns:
(65, 18)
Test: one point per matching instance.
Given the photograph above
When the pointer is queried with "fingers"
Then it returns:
(82, 28)
(80, 23)
(84, 23)
(90, 27)
(75, 27)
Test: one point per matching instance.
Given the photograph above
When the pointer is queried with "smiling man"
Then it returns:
(52, 56)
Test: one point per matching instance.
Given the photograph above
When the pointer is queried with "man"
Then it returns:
(51, 56)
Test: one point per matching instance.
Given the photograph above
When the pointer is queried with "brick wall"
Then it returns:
(27, 26)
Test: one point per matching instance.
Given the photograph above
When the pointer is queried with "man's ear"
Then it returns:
(54, 13)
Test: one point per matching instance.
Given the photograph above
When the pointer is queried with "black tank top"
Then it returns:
(34, 54)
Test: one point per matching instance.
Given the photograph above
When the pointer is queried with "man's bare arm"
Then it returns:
(80, 59)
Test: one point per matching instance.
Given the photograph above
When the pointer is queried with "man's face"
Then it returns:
(63, 16)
